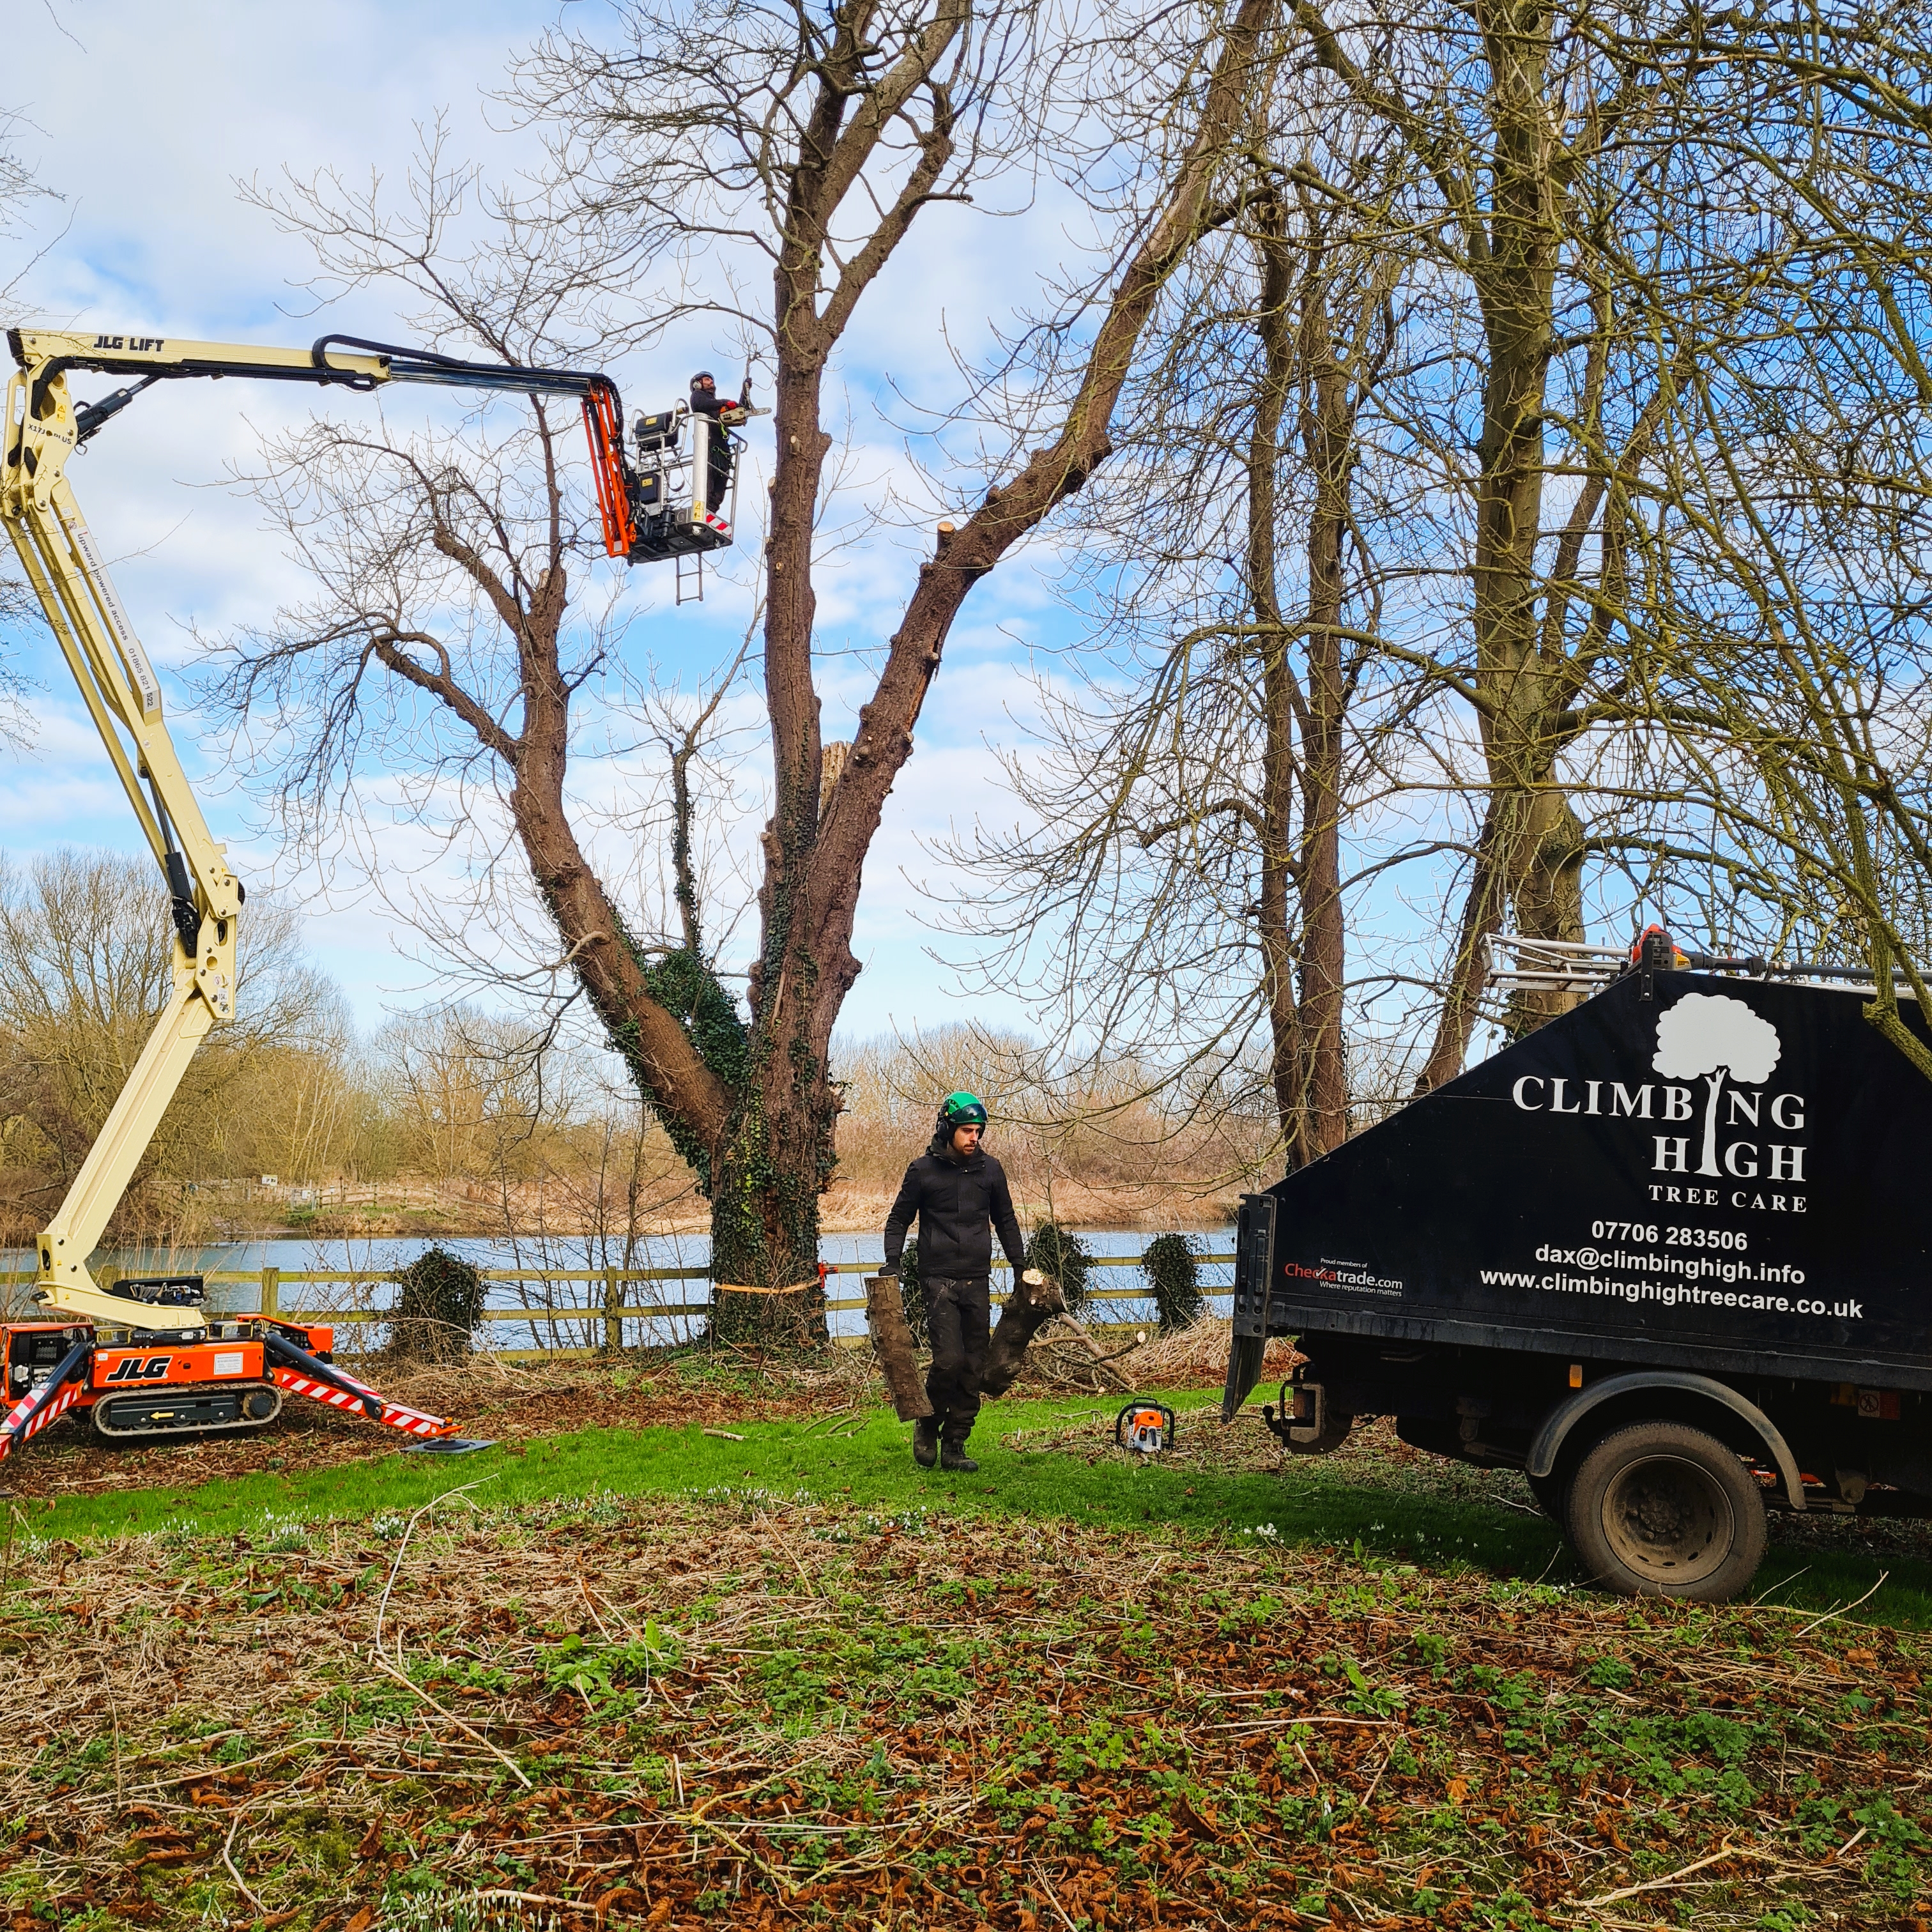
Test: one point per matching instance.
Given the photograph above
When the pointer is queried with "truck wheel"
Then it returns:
(1662, 1509)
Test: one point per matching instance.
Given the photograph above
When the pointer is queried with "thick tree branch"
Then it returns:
(884, 739)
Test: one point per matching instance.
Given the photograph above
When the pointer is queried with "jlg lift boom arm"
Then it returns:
(43, 427)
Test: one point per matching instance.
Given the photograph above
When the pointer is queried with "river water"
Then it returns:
(552, 1302)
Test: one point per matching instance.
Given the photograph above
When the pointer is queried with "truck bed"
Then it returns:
(1689, 1170)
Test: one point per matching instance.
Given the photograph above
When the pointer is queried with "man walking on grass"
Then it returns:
(959, 1192)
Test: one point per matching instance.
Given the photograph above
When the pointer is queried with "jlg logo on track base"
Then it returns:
(141, 1369)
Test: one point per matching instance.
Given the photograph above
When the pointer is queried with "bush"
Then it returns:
(438, 1302)
(1172, 1266)
(1062, 1256)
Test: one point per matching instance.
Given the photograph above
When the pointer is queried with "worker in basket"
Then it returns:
(705, 401)
(959, 1192)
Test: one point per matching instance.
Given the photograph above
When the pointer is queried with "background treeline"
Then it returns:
(459, 1107)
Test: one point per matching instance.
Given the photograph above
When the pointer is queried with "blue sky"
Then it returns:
(142, 131)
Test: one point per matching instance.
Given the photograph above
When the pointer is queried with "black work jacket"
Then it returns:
(959, 1203)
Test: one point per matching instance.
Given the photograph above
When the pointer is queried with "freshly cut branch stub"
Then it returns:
(1033, 1302)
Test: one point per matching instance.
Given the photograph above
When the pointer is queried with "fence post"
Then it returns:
(614, 1319)
(271, 1291)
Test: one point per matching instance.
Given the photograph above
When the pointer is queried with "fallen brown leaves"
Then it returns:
(727, 1710)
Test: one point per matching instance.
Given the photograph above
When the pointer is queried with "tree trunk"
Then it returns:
(1525, 687)
(1303, 938)
(1482, 919)
(1280, 982)
(1328, 440)
(1509, 204)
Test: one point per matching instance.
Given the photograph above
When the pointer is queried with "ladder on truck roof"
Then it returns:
(1517, 963)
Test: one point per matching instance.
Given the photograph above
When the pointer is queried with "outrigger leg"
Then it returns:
(49, 1402)
(304, 1374)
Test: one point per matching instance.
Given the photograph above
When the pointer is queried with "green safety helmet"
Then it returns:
(962, 1110)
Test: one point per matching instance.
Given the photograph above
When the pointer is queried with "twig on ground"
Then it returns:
(1670, 1879)
(409, 1530)
(1041, 1872)
(515, 1770)
(601, 1630)
(1831, 1616)
(240, 1885)
(1764, 1602)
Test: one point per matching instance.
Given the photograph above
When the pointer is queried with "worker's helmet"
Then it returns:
(703, 375)
(962, 1110)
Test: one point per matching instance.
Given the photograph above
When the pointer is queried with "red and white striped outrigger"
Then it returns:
(296, 1370)
(47, 1404)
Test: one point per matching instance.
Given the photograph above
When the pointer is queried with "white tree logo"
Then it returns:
(1704, 1036)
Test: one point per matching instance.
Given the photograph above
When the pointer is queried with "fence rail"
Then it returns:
(611, 1308)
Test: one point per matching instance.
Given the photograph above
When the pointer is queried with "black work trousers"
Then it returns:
(959, 1317)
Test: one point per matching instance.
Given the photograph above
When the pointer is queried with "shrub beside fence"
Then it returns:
(598, 1319)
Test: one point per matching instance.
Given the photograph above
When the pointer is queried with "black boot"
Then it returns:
(953, 1456)
(926, 1441)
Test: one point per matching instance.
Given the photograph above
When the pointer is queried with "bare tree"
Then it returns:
(1778, 596)
(1187, 837)
(1512, 118)
(1615, 239)
(1326, 339)
(83, 977)
(822, 139)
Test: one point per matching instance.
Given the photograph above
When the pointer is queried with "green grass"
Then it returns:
(1351, 1504)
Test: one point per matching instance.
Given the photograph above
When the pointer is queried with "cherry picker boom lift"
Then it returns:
(145, 1356)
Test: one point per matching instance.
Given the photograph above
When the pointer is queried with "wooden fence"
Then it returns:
(611, 1309)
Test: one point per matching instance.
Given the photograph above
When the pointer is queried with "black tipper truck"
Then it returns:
(1670, 1255)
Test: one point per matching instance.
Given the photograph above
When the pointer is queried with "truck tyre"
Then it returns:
(1661, 1509)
